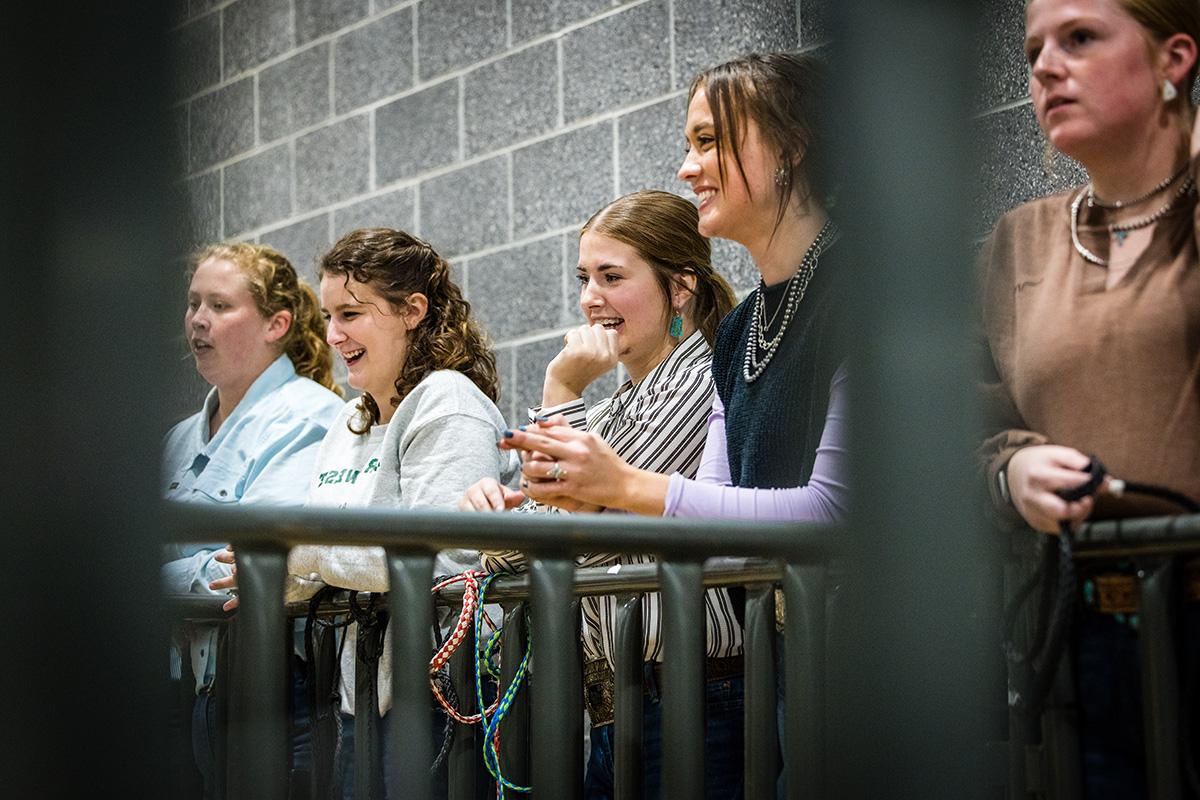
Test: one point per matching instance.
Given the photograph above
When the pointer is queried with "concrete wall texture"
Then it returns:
(493, 129)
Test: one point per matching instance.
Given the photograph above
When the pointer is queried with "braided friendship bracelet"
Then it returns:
(471, 608)
(491, 736)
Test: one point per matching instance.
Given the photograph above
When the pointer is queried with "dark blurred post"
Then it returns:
(86, 150)
(916, 673)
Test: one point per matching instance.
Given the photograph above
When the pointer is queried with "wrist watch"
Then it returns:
(1002, 484)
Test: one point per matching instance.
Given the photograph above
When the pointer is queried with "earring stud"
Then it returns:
(1169, 92)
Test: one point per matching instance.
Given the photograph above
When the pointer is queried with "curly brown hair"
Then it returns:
(663, 229)
(396, 264)
(276, 287)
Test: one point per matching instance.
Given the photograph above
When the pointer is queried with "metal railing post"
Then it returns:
(410, 750)
(804, 681)
(514, 742)
(464, 752)
(628, 697)
(683, 678)
(1160, 681)
(258, 734)
(762, 738)
(556, 702)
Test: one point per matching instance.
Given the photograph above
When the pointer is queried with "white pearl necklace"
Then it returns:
(752, 367)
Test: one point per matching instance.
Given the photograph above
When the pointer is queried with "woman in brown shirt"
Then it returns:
(1091, 301)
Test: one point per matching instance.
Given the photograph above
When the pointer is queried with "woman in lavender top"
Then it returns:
(775, 447)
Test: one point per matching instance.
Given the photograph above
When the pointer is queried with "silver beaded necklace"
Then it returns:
(797, 285)
(1120, 230)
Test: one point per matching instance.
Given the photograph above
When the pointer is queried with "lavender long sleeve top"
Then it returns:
(823, 499)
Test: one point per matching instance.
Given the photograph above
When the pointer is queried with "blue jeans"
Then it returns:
(205, 736)
(346, 759)
(723, 720)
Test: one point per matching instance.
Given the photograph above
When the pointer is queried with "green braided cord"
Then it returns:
(491, 753)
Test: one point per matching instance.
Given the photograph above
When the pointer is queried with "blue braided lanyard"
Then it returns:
(491, 754)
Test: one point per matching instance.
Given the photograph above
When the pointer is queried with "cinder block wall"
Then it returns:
(492, 128)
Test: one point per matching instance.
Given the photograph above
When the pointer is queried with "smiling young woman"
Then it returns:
(1090, 301)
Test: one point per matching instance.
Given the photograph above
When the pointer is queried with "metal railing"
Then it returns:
(1053, 768)
(258, 726)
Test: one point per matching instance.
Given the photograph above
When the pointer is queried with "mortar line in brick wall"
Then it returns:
(534, 337)
(189, 18)
(221, 45)
(671, 41)
(558, 76)
(616, 156)
(508, 158)
(507, 24)
(371, 176)
(416, 45)
(1009, 106)
(462, 118)
(573, 228)
(417, 208)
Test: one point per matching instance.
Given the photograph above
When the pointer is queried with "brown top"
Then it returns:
(1113, 372)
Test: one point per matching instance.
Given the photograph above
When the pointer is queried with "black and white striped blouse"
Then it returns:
(658, 424)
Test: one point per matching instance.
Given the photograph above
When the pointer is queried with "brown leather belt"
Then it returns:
(599, 692)
(1117, 592)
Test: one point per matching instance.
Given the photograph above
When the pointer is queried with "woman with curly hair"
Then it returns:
(256, 334)
(426, 425)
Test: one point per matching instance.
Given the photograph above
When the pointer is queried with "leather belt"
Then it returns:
(1117, 592)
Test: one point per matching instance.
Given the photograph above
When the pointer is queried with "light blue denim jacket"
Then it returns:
(264, 452)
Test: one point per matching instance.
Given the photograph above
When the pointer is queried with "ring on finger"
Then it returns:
(556, 472)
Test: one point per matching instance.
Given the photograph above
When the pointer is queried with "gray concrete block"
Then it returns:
(1014, 166)
(635, 65)
(293, 94)
(518, 290)
(204, 209)
(650, 147)
(511, 99)
(562, 181)
(734, 264)
(258, 190)
(467, 209)
(454, 33)
(221, 124)
(708, 33)
(391, 210)
(532, 18)
(318, 17)
(333, 163)
(814, 23)
(417, 133)
(373, 61)
(1002, 74)
(303, 243)
(255, 31)
(196, 52)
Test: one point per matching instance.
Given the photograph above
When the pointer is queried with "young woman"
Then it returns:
(775, 439)
(1091, 301)
(426, 425)
(257, 337)
(652, 303)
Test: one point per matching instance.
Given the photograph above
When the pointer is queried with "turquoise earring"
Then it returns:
(676, 329)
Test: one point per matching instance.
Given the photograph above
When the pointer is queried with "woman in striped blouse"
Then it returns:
(652, 302)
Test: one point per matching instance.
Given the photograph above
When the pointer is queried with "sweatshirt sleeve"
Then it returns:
(823, 499)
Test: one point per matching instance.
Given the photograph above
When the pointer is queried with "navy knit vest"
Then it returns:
(773, 426)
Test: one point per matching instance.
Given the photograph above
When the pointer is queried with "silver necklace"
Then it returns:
(797, 285)
(1095, 202)
(1120, 230)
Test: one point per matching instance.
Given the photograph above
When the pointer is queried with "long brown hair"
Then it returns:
(782, 94)
(396, 264)
(276, 287)
(662, 228)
